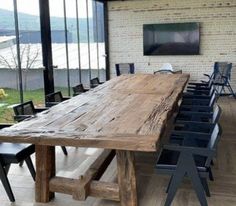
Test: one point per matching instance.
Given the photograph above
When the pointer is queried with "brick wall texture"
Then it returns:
(217, 20)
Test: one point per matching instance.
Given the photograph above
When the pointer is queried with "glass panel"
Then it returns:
(9, 84)
(92, 34)
(84, 46)
(30, 51)
(58, 45)
(72, 43)
(100, 40)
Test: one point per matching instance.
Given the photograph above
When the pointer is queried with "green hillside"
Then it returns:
(31, 22)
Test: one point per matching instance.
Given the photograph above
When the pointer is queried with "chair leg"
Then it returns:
(31, 167)
(21, 163)
(198, 187)
(6, 183)
(231, 90)
(7, 167)
(64, 150)
(211, 175)
(220, 92)
(212, 162)
(206, 188)
(167, 189)
(174, 184)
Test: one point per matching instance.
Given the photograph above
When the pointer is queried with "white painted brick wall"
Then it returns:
(217, 26)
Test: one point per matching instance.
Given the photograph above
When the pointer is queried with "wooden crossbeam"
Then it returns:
(85, 186)
(104, 190)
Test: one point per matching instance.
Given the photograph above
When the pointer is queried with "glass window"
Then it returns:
(31, 51)
(9, 80)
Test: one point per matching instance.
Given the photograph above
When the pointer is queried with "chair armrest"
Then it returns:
(193, 96)
(194, 126)
(198, 91)
(199, 102)
(207, 75)
(203, 114)
(199, 88)
(190, 135)
(191, 150)
(195, 108)
(194, 116)
(198, 84)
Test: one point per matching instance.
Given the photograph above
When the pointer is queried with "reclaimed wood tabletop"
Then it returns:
(128, 112)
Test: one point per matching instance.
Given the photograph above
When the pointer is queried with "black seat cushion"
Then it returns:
(15, 153)
(168, 160)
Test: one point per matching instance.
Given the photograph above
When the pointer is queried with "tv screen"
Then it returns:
(171, 39)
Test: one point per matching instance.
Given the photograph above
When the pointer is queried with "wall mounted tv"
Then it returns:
(171, 39)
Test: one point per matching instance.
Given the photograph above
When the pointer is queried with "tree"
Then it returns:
(27, 57)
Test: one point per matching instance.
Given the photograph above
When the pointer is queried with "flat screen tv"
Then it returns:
(171, 39)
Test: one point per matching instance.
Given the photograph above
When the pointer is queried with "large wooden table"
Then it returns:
(125, 114)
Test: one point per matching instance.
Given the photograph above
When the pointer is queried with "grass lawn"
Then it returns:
(37, 96)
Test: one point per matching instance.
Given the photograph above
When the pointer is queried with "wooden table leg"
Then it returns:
(126, 178)
(45, 169)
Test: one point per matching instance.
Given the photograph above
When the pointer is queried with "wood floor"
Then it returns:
(151, 187)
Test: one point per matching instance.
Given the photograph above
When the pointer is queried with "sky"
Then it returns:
(56, 7)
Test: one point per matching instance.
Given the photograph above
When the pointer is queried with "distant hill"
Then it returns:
(32, 23)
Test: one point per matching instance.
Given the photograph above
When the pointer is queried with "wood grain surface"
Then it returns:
(126, 113)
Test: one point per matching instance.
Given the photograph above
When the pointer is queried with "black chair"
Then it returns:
(202, 127)
(198, 105)
(79, 89)
(210, 117)
(55, 98)
(199, 93)
(203, 85)
(95, 82)
(163, 71)
(166, 71)
(124, 68)
(221, 77)
(200, 101)
(27, 110)
(14, 154)
(185, 160)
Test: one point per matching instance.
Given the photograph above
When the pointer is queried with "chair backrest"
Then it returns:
(167, 66)
(163, 71)
(54, 97)
(26, 108)
(78, 89)
(213, 141)
(94, 82)
(222, 72)
(124, 68)
(216, 114)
